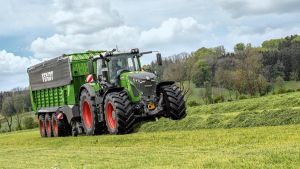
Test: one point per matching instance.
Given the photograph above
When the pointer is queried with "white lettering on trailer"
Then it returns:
(48, 76)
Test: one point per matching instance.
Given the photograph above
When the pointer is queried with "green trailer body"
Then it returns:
(67, 93)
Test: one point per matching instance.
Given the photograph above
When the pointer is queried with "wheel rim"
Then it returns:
(54, 123)
(48, 127)
(42, 128)
(87, 115)
(112, 123)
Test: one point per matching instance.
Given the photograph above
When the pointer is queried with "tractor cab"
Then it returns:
(110, 65)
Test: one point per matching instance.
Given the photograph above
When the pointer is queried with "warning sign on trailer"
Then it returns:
(52, 73)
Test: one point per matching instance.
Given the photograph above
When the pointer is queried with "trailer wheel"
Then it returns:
(48, 125)
(59, 127)
(118, 114)
(88, 114)
(42, 125)
(174, 103)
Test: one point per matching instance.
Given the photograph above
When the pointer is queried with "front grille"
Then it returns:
(147, 87)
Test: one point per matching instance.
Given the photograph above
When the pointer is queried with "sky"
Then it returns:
(35, 30)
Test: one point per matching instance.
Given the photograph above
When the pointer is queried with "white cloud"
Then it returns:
(13, 70)
(86, 16)
(12, 64)
(175, 31)
(240, 8)
(17, 16)
(94, 25)
(186, 29)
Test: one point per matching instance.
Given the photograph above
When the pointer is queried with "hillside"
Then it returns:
(213, 136)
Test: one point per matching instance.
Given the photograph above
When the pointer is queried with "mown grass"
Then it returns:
(270, 110)
(252, 133)
(264, 147)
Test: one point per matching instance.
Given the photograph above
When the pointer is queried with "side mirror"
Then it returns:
(91, 66)
(159, 59)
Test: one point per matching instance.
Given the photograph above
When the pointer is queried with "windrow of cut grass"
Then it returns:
(271, 110)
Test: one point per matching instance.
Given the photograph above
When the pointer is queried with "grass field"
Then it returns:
(265, 147)
(252, 133)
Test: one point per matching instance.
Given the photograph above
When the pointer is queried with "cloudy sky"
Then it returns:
(35, 30)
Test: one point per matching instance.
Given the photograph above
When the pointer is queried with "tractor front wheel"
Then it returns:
(118, 114)
(174, 103)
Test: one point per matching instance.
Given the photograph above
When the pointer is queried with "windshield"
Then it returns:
(122, 62)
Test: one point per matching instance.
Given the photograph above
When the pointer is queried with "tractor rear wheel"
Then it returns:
(88, 114)
(59, 127)
(174, 103)
(42, 125)
(48, 125)
(118, 114)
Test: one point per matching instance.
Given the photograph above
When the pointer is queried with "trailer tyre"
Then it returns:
(42, 125)
(174, 103)
(118, 114)
(59, 127)
(88, 114)
(48, 126)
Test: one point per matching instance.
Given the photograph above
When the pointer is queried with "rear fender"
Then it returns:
(90, 88)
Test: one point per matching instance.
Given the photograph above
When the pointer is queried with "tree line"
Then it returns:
(14, 103)
(247, 70)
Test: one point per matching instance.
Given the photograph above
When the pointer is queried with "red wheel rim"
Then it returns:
(48, 127)
(54, 123)
(87, 115)
(42, 127)
(112, 123)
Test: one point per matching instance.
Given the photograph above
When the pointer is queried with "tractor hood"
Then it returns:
(143, 82)
(139, 76)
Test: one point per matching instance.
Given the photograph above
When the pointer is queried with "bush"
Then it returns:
(29, 123)
(290, 90)
(242, 97)
(219, 99)
(281, 91)
(193, 103)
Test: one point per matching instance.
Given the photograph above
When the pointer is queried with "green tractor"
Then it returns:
(100, 92)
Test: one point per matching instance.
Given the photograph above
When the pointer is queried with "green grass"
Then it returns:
(261, 132)
(265, 147)
(270, 110)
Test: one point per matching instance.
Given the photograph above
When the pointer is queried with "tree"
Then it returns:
(19, 105)
(280, 83)
(202, 73)
(240, 47)
(208, 92)
(294, 76)
(8, 111)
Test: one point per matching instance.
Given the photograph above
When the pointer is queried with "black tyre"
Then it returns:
(88, 114)
(118, 114)
(59, 127)
(174, 103)
(42, 125)
(48, 125)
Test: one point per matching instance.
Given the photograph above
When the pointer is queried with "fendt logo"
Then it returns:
(48, 76)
